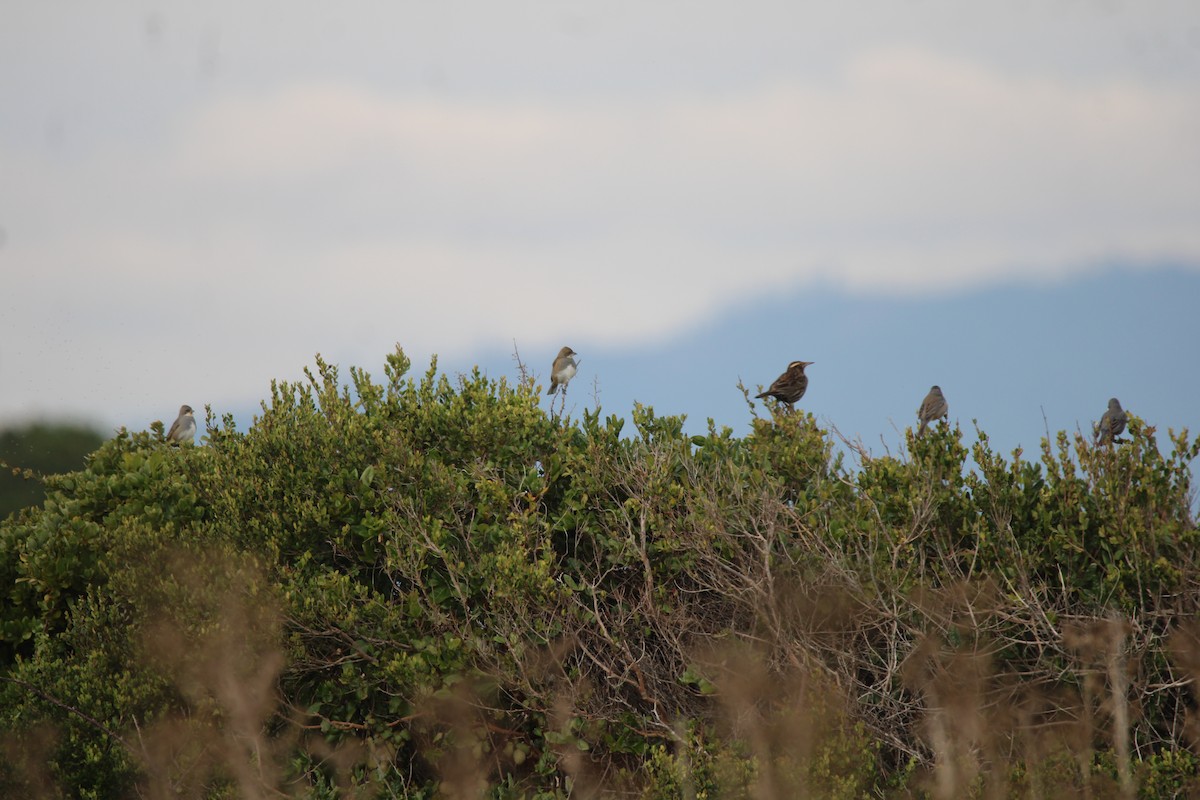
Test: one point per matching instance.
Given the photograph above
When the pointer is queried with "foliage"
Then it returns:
(432, 588)
(36, 450)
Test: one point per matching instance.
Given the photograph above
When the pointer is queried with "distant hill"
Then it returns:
(46, 448)
(1022, 358)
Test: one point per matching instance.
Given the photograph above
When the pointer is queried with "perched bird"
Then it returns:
(789, 387)
(562, 370)
(934, 406)
(183, 429)
(1112, 424)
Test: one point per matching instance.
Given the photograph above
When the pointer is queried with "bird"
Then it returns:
(562, 370)
(933, 407)
(790, 386)
(183, 429)
(1112, 424)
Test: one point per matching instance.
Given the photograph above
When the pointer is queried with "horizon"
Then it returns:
(837, 394)
(200, 199)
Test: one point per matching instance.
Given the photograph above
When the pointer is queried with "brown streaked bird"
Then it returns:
(562, 370)
(183, 429)
(933, 407)
(1112, 424)
(791, 385)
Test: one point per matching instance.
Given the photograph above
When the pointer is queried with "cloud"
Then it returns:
(904, 151)
(335, 217)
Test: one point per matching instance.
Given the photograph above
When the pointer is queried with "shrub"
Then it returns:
(430, 587)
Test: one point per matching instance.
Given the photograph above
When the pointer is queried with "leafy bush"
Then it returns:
(432, 588)
(29, 452)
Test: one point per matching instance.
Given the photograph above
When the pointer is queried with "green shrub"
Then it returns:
(433, 588)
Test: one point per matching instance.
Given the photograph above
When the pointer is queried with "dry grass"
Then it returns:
(787, 693)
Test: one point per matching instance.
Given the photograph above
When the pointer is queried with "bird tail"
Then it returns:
(921, 430)
(760, 396)
(553, 386)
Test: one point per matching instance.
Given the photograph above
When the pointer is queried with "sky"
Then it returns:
(195, 199)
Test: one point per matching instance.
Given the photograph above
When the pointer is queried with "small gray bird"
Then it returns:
(791, 385)
(562, 370)
(1112, 424)
(934, 406)
(183, 429)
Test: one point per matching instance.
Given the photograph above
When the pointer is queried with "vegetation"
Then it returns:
(431, 588)
(39, 449)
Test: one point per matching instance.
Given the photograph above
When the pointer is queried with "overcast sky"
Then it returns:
(197, 197)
